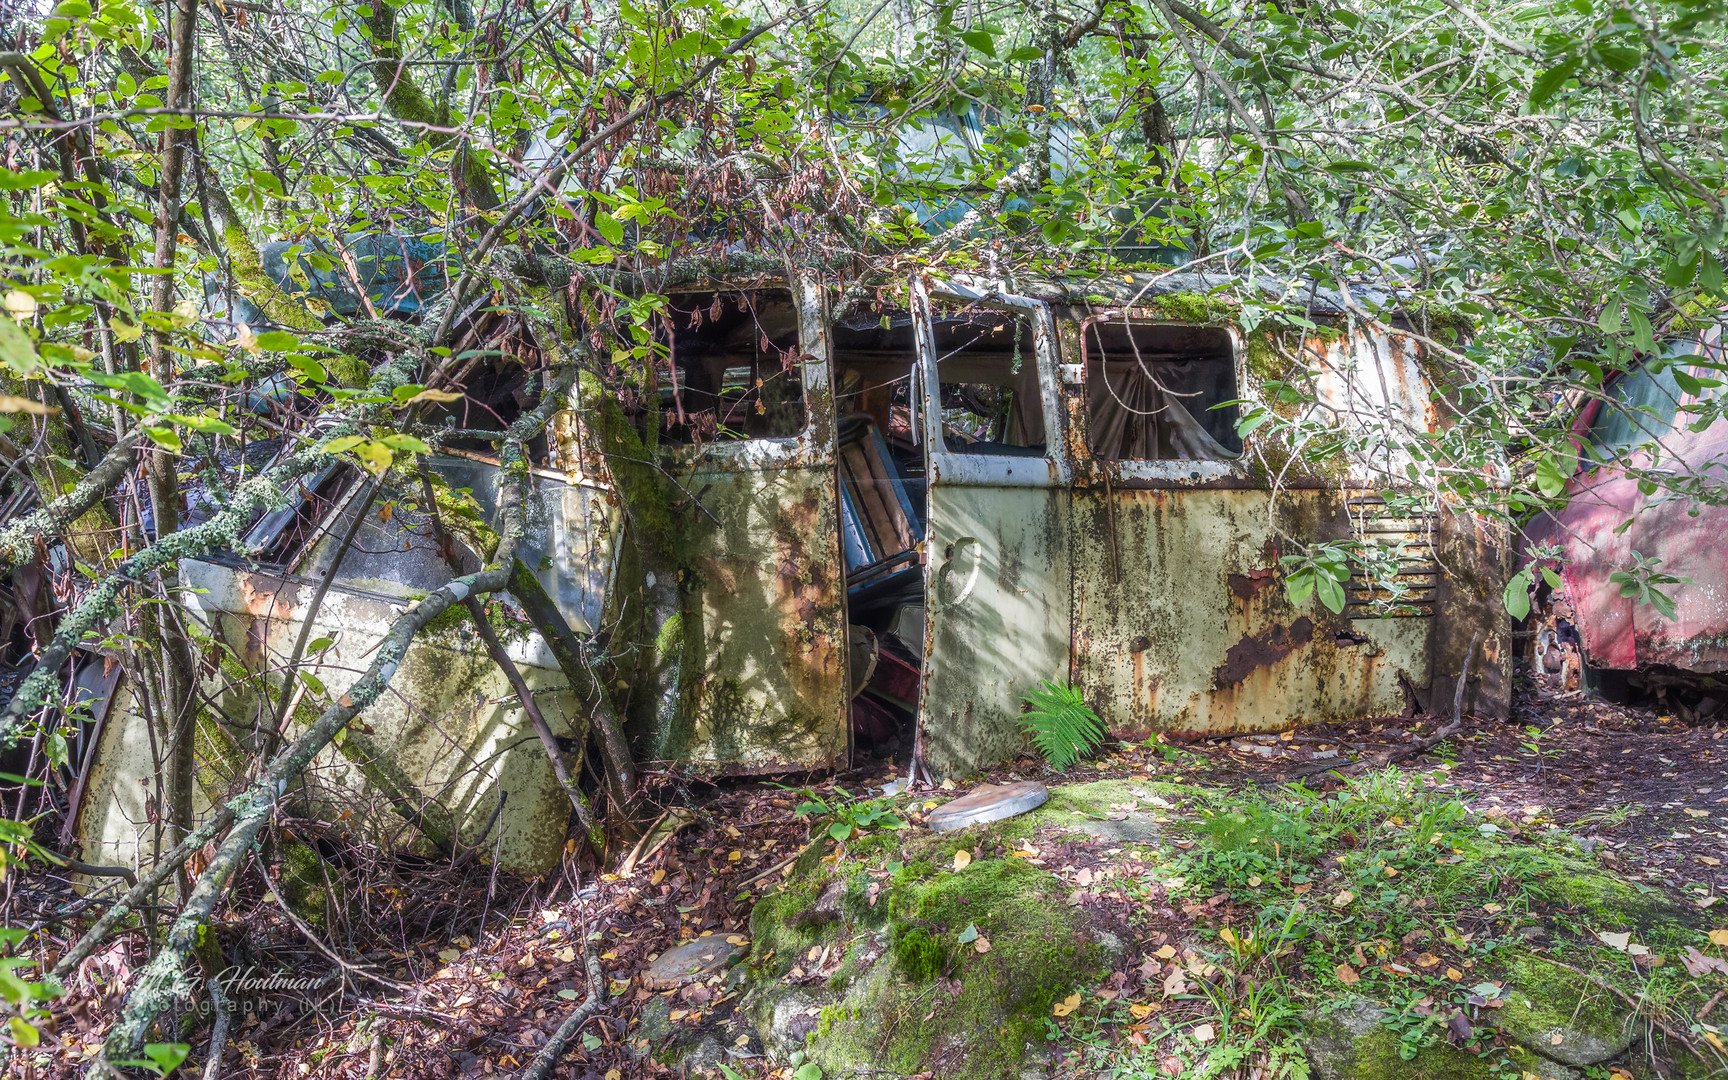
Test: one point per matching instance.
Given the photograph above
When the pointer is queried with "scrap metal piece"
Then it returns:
(993, 802)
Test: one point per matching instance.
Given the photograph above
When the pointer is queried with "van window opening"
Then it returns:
(1153, 392)
(728, 366)
(989, 392)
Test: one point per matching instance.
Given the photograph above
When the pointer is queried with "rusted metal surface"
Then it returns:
(450, 724)
(773, 694)
(1686, 535)
(1186, 639)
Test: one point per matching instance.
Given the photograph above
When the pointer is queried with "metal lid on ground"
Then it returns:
(992, 802)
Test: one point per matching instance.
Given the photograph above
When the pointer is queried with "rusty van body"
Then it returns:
(906, 513)
(915, 509)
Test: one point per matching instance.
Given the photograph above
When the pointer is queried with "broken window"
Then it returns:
(1156, 392)
(728, 366)
(989, 392)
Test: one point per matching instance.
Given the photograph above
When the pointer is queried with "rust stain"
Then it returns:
(1246, 586)
(1260, 651)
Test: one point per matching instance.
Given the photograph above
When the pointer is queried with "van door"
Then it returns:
(751, 395)
(998, 578)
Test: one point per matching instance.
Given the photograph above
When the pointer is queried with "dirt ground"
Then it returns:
(471, 984)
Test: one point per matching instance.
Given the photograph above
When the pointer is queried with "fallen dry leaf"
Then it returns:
(1719, 937)
(1453, 974)
(1427, 960)
(1141, 1012)
(1066, 1005)
(1698, 965)
(1174, 983)
(1493, 909)
(1347, 975)
(1343, 899)
(1204, 1033)
(962, 859)
(1614, 941)
(982, 945)
(1166, 952)
(1708, 861)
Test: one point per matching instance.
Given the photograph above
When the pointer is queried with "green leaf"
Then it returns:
(1552, 474)
(841, 831)
(346, 442)
(1553, 579)
(567, 995)
(1331, 592)
(23, 181)
(1062, 725)
(23, 1033)
(1608, 320)
(1024, 53)
(979, 40)
(319, 644)
(16, 350)
(1550, 81)
(609, 227)
(808, 1071)
(312, 682)
(1643, 338)
(1517, 594)
(166, 1056)
(1299, 586)
(278, 341)
(970, 934)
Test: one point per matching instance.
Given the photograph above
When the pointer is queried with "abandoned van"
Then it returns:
(906, 512)
(916, 510)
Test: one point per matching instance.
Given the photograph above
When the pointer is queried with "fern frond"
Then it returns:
(1063, 727)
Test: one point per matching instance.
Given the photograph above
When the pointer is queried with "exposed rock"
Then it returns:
(691, 962)
(1561, 1015)
(1352, 1043)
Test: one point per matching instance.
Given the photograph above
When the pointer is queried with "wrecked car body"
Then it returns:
(1646, 421)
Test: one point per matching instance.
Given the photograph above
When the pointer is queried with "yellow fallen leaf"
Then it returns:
(1427, 960)
(448, 955)
(982, 945)
(1493, 909)
(737, 939)
(1204, 1033)
(1391, 871)
(1715, 1040)
(1697, 813)
(1253, 881)
(609, 954)
(1227, 935)
(1615, 941)
(566, 955)
(734, 856)
(1708, 861)
(1343, 899)
(614, 1074)
(962, 859)
(8, 403)
(1165, 952)
(1719, 937)
(657, 877)
(1066, 1005)
(1347, 975)
(678, 1014)
(1453, 974)
(947, 785)
(1140, 1011)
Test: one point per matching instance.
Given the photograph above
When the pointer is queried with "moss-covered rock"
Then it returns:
(1353, 1043)
(1545, 1001)
(862, 969)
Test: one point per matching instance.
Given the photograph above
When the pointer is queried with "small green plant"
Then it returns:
(159, 1058)
(852, 815)
(1063, 727)
(1640, 579)
(1324, 569)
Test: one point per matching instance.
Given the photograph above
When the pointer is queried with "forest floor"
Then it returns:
(451, 972)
